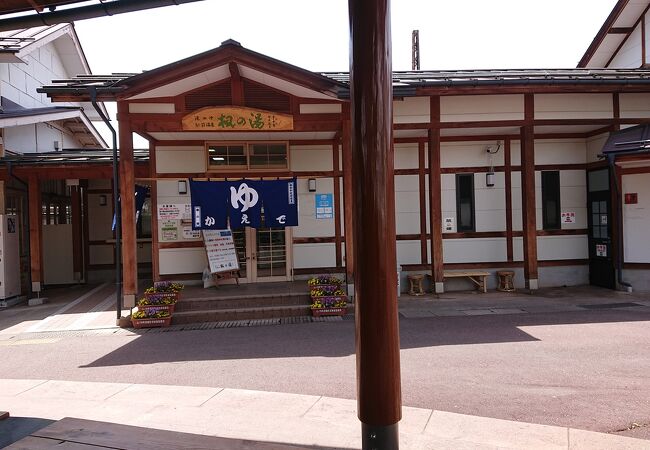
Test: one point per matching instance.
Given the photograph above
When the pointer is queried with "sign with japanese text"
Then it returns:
(169, 231)
(324, 206)
(601, 250)
(568, 217)
(174, 211)
(233, 118)
(221, 251)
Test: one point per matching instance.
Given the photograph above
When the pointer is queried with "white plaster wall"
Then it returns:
(633, 106)
(562, 247)
(320, 108)
(636, 219)
(573, 197)
(573, 106)
(469, 154)
(182, 260)
(560, 151)
(157, 108)
(167, 191)
(408, 252)
(314, 255)
(629, 55)
(37, 137)
(100, 218)
(57, 254)
(181, 159)
(101, 254)
(595, 146)
(309, 226)
(481, 107)
(311, 158)
(411, 109)
(448, 200)
(406, 156)
(407, 204)
(474, 250)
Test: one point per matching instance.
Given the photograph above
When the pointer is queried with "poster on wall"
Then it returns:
(169, 231)
(448, 224)
(174, 211)
(568, 217)
(324, 206)
(189, 233)
(221, 251)
(601, 250)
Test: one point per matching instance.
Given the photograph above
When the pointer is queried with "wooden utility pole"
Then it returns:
(377, 327)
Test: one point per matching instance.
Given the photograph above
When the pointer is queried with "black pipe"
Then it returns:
(26, 228)
(118, 214)
(84, 12)
(611, 158)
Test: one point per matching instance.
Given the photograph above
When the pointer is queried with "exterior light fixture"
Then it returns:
(312, 184)
(102, 200)
(182, 187)
(489, 178)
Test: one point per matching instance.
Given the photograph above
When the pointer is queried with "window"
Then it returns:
(262, 155)
(551, 218)
(465, 202)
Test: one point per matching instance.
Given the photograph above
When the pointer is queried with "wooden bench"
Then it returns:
(478, 278)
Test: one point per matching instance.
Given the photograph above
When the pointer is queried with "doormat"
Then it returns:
(610, 305)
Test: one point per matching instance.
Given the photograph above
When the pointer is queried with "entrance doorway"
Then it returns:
(263, 254)
(599, 201)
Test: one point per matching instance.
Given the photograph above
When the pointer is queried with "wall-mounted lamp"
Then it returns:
(489, 179)
(102, 200)
(489, 176)
(56, 146)
(311, 183)
(182, 187)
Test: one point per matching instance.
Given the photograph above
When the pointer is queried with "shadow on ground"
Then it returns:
(336, 339)
(15, 428)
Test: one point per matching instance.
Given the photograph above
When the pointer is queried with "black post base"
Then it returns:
(379, 437)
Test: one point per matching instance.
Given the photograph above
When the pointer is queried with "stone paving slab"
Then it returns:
(286, 418)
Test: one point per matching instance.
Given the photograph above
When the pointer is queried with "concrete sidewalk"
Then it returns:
(272, 417)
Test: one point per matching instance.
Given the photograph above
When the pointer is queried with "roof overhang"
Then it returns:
(618, 26)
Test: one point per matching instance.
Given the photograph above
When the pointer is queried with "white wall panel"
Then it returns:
(573, 106)
(101, 254)
(635, 105)
(408, 252)
(57, 254)
(474, 250)
(309, 226)
(636, 219)
(187, 159)
(560, 151)
(311, 157)
(411, 110)
(182, 260)
(156, 108)
(406, 156)
(595, 146)
(320, 108)
(562, 247)
(100, 218)
(629, 55)
(463, 108)
(469, 154)
(314, 255)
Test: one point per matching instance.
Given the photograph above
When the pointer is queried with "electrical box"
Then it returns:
(9, 257)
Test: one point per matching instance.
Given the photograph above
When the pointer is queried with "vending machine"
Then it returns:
(9, 258)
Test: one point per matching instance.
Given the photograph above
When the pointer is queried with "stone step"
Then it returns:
(221, 315)
(241, 302)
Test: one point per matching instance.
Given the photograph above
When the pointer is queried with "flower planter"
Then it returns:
(174, 296)
(320, 312)
(151, 323)
(155, 308)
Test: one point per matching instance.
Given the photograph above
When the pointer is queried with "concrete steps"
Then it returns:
(228, 314)
(242, 302)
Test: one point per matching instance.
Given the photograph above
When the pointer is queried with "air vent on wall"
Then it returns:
(215, 95)
(262, 97)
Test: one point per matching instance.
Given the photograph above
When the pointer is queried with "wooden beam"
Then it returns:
(236, 85)
(507, 153)
(423, 202)
(378, 358)
(528, 194)
(77, 241)
(435, 198)
(337, 204)
(127, 202)
(35, 233)
(347, 200)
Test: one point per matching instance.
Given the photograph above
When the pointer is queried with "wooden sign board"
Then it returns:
(233, 118)
(221, 251)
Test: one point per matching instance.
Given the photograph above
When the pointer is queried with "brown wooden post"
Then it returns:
(86, 229)
(127, 206)
(529, 213)
(377, 326)
(347, 198)
(35, 233)
(337, 203)
(77, 257)
(423, 202)
(435, 198)
(507, 159)
(155, 246)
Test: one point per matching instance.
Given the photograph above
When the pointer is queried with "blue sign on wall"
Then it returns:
(324, 206)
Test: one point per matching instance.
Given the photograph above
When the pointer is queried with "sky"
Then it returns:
(456, 34)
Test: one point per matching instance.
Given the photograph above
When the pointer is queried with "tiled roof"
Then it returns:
(70, 156)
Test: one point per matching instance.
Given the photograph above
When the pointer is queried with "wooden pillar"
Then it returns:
(86, 229)
(507, 157)
(337, 203)
(155, 246)
(377, 327)
(529, 213)
(35, 233)
(347, 199)
(423, 202)
(77, 256)
(435, 198)
(127, 202)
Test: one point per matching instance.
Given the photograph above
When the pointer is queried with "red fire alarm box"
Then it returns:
(631, 199)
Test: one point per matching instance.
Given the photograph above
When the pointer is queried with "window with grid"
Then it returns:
(465, 202)
(551, 216)
(259, 155)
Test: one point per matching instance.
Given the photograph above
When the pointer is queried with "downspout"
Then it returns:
(619, 224)
(26, 228)
(116, 206)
